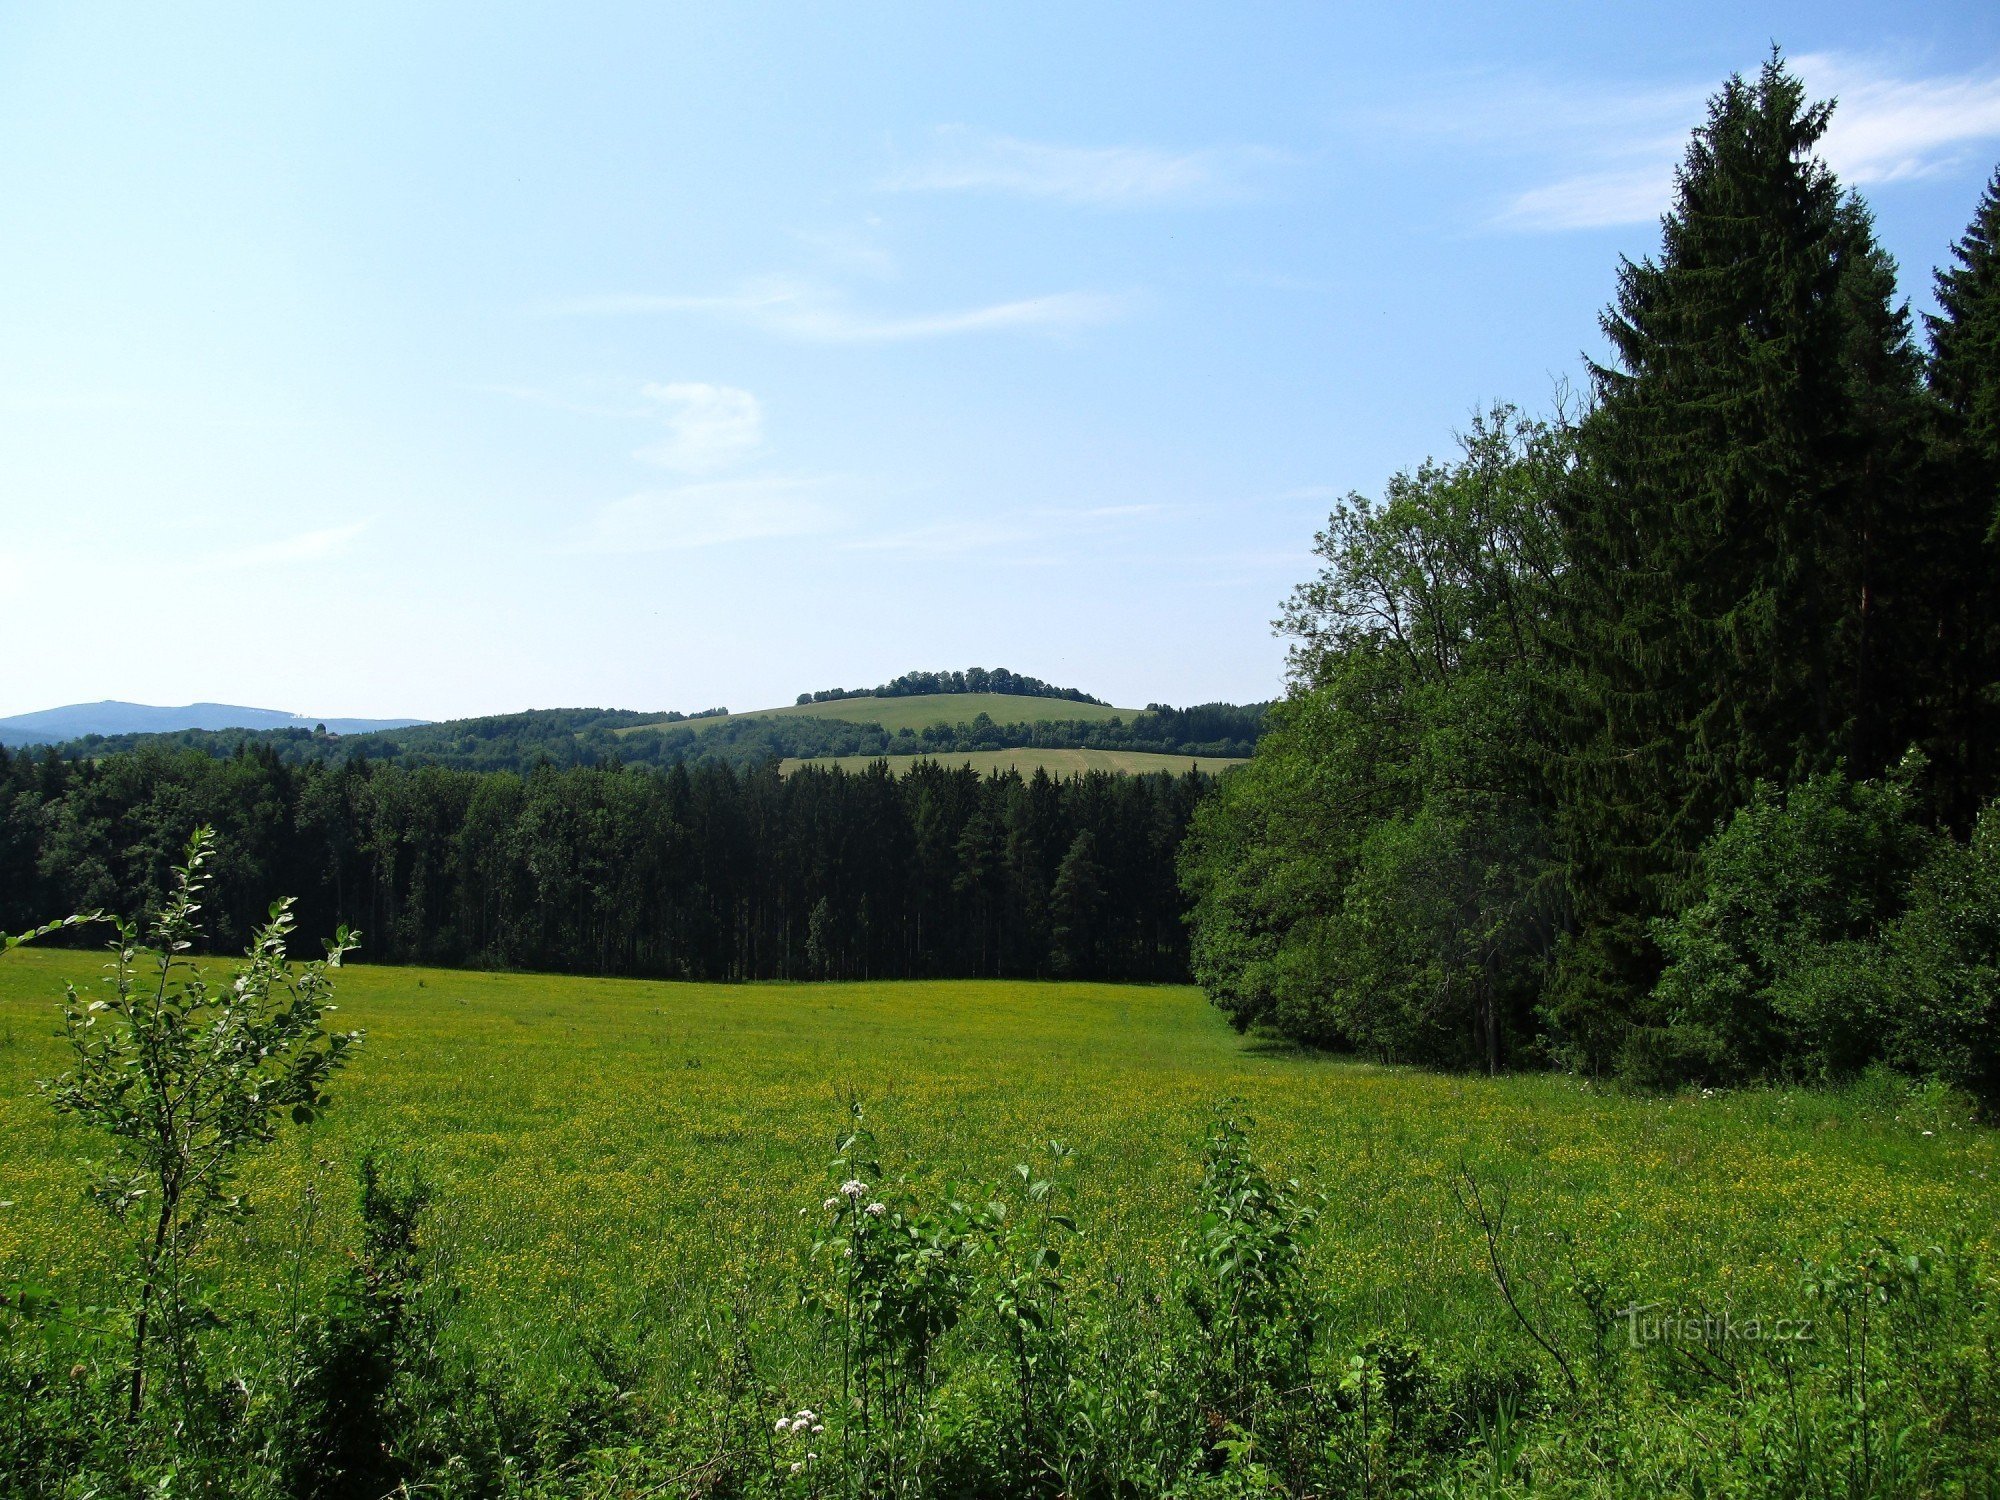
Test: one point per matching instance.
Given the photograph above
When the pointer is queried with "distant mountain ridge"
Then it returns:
(50, 726)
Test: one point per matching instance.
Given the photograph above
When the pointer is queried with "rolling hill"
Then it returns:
(918, 711)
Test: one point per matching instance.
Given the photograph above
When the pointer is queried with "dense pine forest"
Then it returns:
(691, 873)
(1659, 736)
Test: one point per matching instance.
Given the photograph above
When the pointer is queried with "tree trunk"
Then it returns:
(146, 1306)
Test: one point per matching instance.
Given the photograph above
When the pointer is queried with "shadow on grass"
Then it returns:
(1269, 1044)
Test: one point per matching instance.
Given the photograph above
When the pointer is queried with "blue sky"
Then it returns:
(458, 359)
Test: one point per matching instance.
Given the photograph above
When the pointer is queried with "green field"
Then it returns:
(610, 1151)
(1027, 762)
(922, 710)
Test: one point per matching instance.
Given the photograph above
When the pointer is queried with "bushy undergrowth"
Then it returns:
(938, 1345)
(1829, 930)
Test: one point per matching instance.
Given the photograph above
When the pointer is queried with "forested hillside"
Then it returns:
(701, 872)
(1660, 735)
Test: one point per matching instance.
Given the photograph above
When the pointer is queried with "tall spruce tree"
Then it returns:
(1964, 377)
(1965, 342)
(1891, 490)
(1734, 529)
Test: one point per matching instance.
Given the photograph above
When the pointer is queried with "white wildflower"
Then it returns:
(876, 1210)
(853, 1188)
(831, 1203)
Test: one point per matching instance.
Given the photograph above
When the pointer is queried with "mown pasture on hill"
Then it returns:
(1028, 761)
(614, 1154)
(919, 711)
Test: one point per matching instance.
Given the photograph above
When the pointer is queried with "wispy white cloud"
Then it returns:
(797, 310)
(944, 538)
(712, 513)
(1609, 156)
(1593, 200)
(1012, 529)
(855, 249)
(1604, 153)
(308, 546)
(965, 160)
(1888, 128)
(709, 427)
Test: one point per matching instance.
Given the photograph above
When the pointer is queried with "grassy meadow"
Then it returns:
(921, 710)
(608, 1151)
(1027, 762)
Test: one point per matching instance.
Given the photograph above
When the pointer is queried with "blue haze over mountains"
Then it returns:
(74, 720)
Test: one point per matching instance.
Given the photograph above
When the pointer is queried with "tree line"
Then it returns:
(695, 872)
(1660, 735)
(602, 737)
(971, 680)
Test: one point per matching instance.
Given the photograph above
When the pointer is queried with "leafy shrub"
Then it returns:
(189, 1077)
(1940, 968)
(352, 1420)
(889, 1280)
(1244, 1280)
(1828, 931)
(1785, 897)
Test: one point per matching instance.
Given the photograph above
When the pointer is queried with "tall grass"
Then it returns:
(625, 1182)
